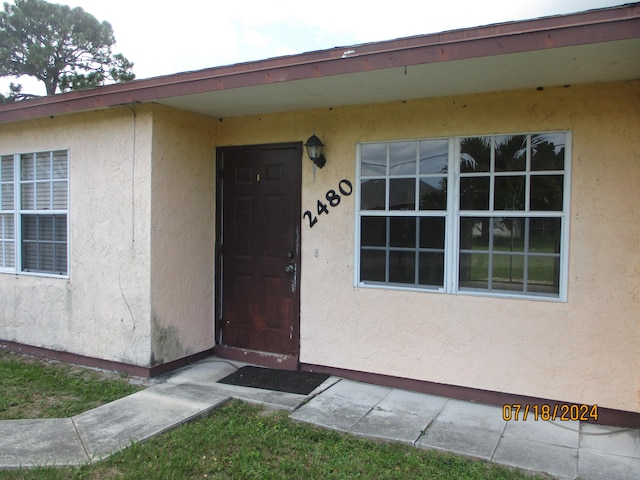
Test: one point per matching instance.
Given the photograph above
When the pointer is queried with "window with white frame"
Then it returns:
(478, 214)
(33, 212)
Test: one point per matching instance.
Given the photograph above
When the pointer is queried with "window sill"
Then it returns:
(35, 274)
(464, 292)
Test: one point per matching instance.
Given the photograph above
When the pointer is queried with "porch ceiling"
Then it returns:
(605, 62)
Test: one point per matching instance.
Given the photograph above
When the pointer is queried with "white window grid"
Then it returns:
(415, 212)
(40, 188)
(453, 214)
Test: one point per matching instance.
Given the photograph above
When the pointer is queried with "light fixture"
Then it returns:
(314, 150)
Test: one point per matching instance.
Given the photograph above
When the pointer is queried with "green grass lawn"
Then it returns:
(236, 441)
(36, 388)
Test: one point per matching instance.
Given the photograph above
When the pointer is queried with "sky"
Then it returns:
(163, 37)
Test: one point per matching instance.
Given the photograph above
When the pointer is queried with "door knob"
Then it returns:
(289, 268)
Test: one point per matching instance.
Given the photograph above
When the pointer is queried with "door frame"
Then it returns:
(260, 358)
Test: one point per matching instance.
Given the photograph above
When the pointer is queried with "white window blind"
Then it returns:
(34, 210)
(7, 213)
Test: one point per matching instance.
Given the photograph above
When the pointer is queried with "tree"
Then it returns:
(15, 94)
(66, 49)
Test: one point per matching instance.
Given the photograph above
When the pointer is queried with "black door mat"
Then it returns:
(302, 383)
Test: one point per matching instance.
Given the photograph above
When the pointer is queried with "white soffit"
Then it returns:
(606, 62)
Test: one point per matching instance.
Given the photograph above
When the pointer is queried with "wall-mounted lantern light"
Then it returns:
(314, 150)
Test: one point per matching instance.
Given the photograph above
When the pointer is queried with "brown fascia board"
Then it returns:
(590, 27)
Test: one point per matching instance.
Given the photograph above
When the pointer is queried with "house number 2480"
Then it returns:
(345, 187)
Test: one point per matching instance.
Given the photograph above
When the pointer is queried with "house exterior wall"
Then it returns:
(102, 309)
(141, 213)
(584, 350)
(182, 234)
(141, 238)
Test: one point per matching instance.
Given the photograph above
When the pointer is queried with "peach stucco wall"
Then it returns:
(140, 283)
(182, 234)
(102, 310)
(142, 211)
(584, 350)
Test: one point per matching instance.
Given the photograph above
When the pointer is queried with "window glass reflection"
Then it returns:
(474, 233)
(433, 193)
(402, 232)
(474, 193)
(544, 235)
(373, 231)
(475, 154)
(402, 267)
(546, 192)
(510, 153)
(509, 234)
(372, 265)
(431, 269)
(547, 151)
(509, 193)
(402, 158)
(432, 232)
(507, 272)
(402, 194)
(434, 156)
(372, 194)
(474, 270)
(544, 274)
(373, 159)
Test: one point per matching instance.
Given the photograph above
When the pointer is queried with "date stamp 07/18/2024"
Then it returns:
(546, 412)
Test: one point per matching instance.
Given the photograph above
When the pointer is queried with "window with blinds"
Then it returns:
(7, 214)
(34, 210)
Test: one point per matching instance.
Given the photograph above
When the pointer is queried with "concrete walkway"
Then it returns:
(567, 450)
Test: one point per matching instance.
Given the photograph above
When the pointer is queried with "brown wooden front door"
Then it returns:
(259, 248)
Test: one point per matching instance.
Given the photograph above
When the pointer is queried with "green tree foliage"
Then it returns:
(15, 93)
(66, 49)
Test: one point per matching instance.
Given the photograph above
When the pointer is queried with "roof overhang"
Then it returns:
(588, 47)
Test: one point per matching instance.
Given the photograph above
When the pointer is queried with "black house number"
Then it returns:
(345, 187)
